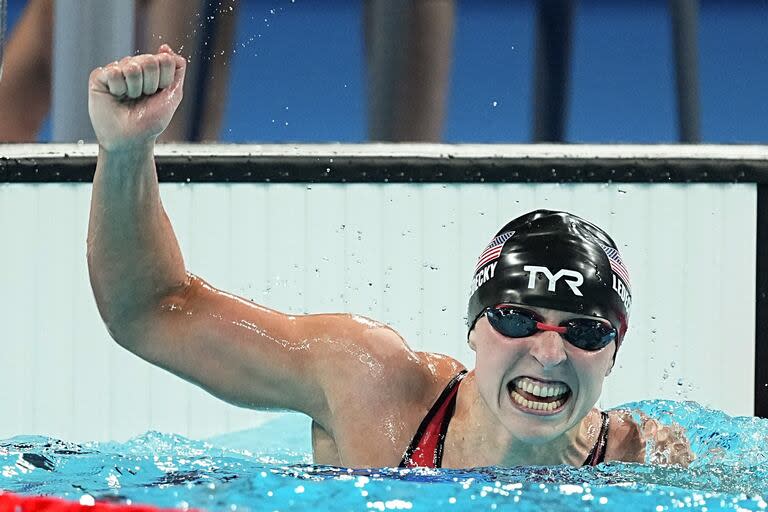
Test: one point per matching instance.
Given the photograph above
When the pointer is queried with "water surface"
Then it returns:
(269, 468)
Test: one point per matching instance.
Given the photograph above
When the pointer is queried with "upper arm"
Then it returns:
(257, 357)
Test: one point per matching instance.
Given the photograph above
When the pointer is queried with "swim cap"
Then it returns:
(553, 260)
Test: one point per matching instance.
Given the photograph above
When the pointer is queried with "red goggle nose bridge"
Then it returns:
(546, 327)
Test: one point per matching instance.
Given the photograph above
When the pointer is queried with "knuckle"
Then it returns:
(148, 61)
(113, 73)
(131, 69)
(164, 60)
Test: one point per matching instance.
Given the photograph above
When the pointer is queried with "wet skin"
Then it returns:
(544, 357)
(489, 428)
(523, 433)
(365, 389)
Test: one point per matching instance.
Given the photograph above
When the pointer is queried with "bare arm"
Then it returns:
(133, 257)
(245, 353)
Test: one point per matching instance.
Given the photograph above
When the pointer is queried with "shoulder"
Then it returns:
(370, 360)
(378, 391)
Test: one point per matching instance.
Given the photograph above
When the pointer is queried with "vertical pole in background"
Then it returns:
(384, 22)
(761, 305)
(409, 47)
(3, 16)
(206, 53)
(554, 22)
(87, 33)
(685, 15)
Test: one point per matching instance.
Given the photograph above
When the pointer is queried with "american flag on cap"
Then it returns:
(616, 264)
(493, 249)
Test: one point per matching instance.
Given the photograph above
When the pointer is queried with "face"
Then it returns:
(514, 374)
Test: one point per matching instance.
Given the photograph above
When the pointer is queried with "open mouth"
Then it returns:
(536, 396)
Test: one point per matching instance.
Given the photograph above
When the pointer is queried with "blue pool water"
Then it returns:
(269, 468)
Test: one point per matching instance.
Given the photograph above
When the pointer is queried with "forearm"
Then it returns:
(134, 259)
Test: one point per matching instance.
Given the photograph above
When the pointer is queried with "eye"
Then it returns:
(511, 308)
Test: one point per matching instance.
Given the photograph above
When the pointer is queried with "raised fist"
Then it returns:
(132, 101)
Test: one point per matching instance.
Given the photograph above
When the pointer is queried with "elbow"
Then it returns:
(131, 323)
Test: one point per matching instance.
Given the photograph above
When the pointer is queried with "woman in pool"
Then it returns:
(546, 317)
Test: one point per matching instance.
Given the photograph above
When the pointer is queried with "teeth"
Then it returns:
(537, 406)
(542, 390)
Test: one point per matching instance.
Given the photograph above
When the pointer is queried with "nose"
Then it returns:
(548, 348)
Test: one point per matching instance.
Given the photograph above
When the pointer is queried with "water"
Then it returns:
(269, 468)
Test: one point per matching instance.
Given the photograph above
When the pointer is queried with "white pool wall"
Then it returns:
(399, 253)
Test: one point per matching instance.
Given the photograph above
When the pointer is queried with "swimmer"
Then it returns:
(546, 318)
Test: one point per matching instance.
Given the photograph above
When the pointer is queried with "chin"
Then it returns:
(534, 431)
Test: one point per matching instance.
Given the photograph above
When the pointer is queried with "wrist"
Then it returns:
(127, 147)
(132, 156)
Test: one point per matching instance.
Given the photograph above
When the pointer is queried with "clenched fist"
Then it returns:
(132, 101)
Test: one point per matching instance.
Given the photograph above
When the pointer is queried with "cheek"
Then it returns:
(490, 359)
(592, 371)
(490, 368)
(492, 363)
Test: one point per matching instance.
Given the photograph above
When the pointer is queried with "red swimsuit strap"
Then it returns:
(426, 448)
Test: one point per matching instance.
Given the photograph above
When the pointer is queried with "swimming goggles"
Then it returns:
(584, 333)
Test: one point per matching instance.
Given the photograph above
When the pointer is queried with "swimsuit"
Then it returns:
(426, 448)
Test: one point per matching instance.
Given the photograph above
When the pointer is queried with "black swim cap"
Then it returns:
(553, 260)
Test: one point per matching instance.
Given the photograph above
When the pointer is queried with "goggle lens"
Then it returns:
(512, 323)
(584, 333)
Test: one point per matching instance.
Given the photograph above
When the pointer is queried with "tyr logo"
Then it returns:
(572, 278)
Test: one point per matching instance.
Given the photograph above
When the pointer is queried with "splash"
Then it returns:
(270, 466)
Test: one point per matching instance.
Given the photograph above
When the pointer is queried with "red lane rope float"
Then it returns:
(15, 503)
